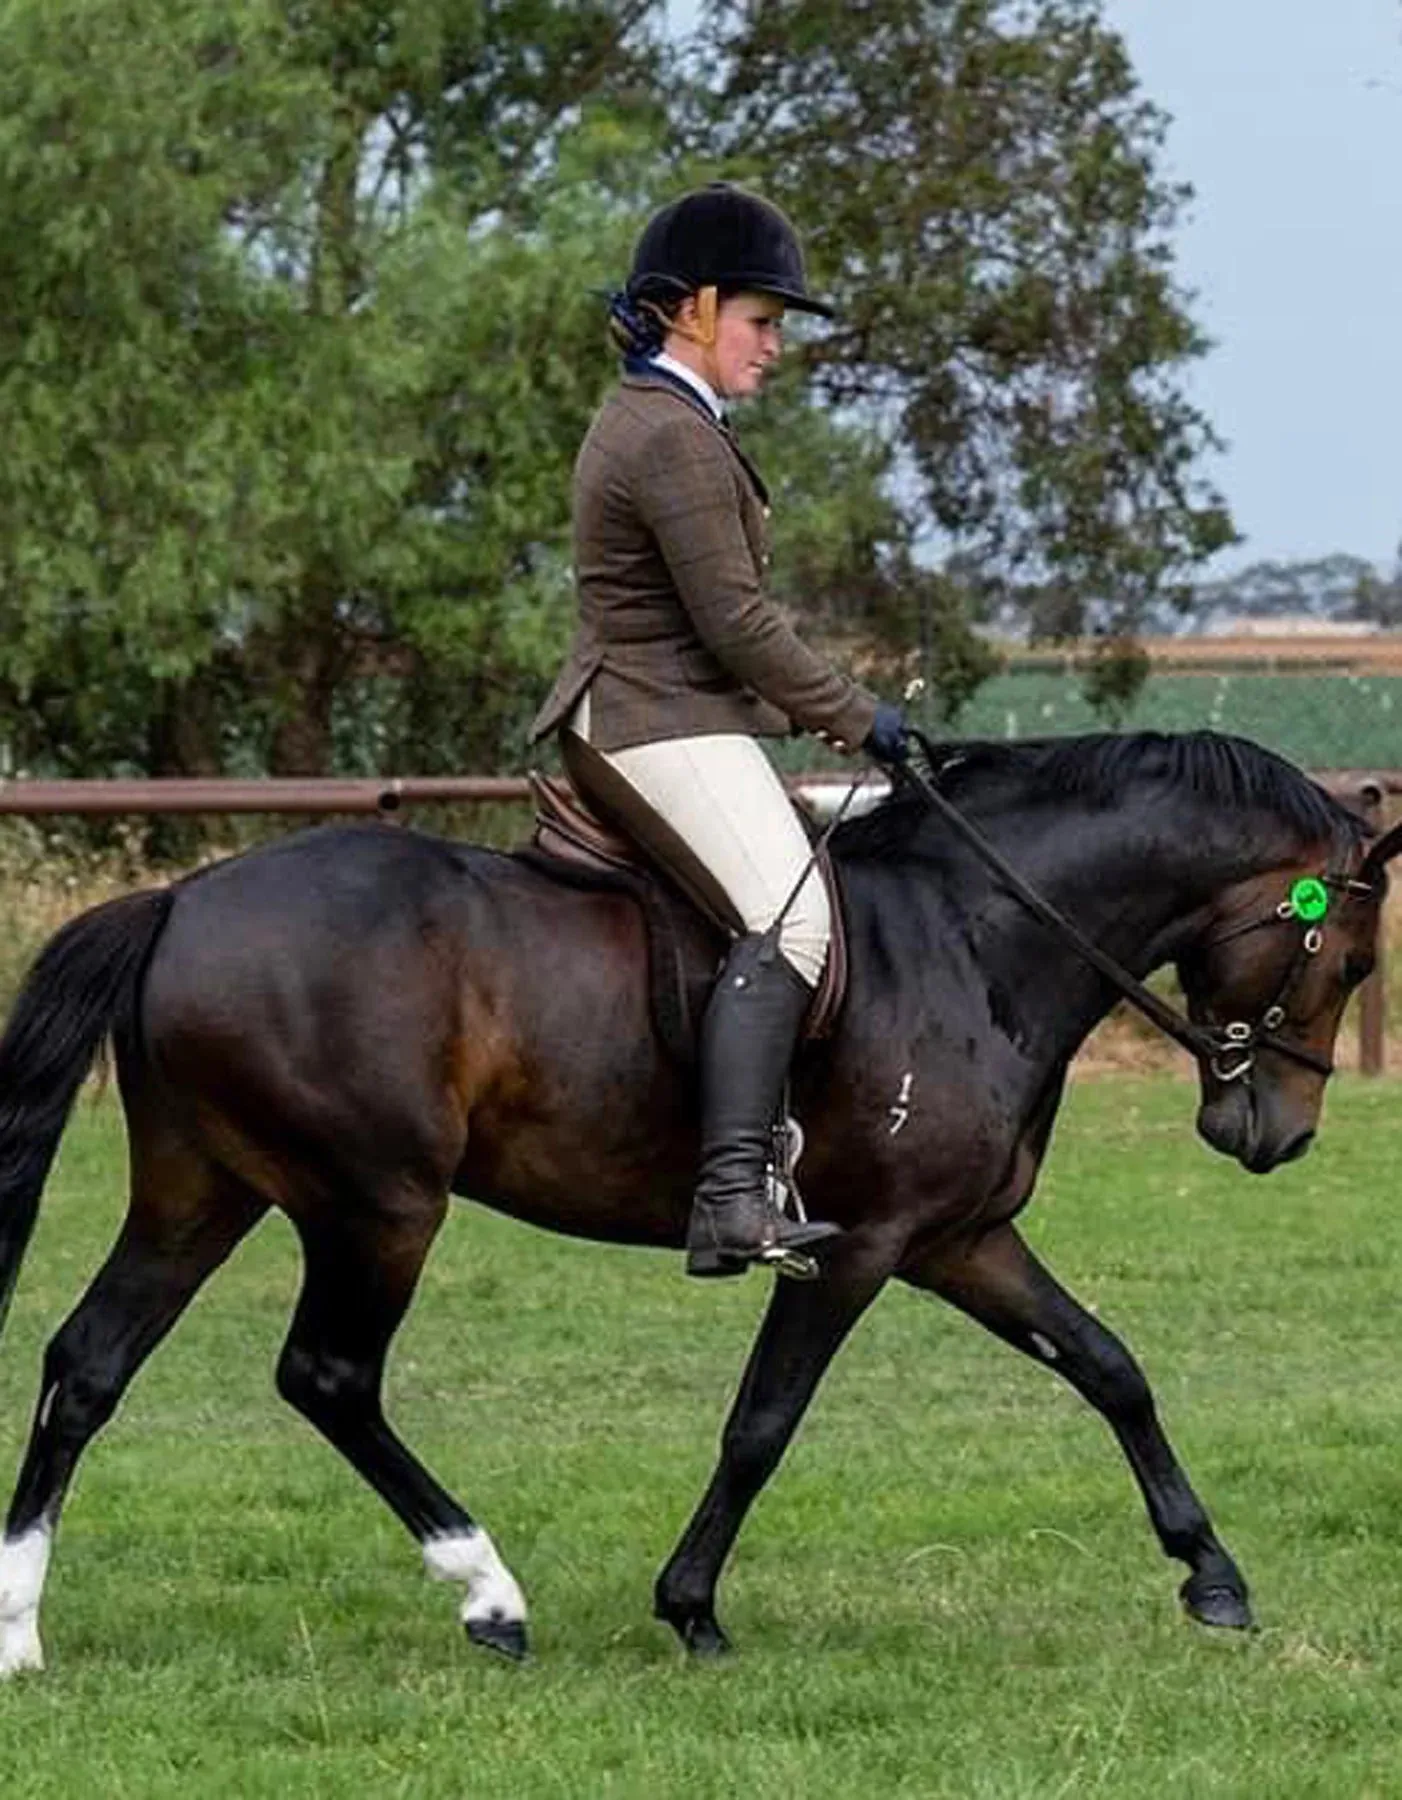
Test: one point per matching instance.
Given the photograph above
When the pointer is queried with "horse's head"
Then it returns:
(1269, 976)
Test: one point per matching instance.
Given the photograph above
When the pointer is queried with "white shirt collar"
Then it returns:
(692, 379)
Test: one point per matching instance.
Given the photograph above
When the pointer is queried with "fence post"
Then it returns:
(1372, 996)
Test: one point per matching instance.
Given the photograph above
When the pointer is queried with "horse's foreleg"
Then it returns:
(361, 1271)
(803, 1329)
(173, 1239)
(1000, 1283)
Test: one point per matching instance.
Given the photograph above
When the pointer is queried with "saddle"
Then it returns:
(573, 843)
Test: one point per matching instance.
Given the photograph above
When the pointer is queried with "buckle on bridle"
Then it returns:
(1236, 1039)
(1236, 1071)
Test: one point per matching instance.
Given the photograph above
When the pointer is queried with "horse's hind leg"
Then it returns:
(361, 1270)
(1000, 1283)
(184, 1219)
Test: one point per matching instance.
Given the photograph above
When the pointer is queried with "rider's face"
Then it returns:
(749, 337)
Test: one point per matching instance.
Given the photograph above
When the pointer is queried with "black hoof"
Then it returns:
(704, 1639)
(1217, 1604)
(696, 1626)
(507, 1637)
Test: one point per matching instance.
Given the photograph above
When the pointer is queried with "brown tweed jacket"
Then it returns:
(676, 636)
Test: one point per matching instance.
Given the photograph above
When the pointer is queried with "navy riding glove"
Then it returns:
(889, 737)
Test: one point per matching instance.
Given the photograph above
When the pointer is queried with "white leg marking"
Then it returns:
(471, 1558)
(1043, 1346)
(24, 1561)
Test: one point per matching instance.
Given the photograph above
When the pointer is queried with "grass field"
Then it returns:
(949, 1590)
(1319, 720)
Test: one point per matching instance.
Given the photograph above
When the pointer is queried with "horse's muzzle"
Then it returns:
(1261, 1137)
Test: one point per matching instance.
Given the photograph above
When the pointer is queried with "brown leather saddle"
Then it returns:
(572, 835)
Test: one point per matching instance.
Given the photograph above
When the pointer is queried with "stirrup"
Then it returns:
(782, 1185)
(798, 1265)
(709, 1261)
(784, 1231)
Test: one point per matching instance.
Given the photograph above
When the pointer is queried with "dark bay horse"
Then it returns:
(356, 1022)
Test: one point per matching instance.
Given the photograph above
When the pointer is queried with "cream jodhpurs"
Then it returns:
(721, 796)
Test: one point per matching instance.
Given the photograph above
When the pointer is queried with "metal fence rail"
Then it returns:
(175, 794)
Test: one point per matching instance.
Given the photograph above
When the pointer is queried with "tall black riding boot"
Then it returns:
(747, 1038)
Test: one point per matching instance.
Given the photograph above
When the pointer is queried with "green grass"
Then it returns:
(949, 1589)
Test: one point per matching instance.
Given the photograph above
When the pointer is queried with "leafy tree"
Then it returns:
(846, 556)
(978, 183)
(297, 347)
(301, 335)
(1379, 597)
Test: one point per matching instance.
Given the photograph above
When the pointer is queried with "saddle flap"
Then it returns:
(568, 831)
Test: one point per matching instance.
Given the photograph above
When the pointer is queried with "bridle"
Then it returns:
(1229, 1050)
(1307, 904)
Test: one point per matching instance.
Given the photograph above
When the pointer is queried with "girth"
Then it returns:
(572, 835)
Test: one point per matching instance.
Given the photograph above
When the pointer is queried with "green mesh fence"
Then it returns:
(1320, 721)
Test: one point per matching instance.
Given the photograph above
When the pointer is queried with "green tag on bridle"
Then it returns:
(1310, 899)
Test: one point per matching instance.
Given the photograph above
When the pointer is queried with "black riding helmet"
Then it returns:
(721, 237)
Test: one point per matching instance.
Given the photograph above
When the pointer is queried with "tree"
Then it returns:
(978, 184)
(846, 558)
(302, 332)
(1379, 597)
(1322, 587)
(297, 346)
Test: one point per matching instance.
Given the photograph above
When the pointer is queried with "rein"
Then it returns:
(1228, 1051)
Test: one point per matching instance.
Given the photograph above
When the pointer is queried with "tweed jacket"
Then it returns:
(676, 636)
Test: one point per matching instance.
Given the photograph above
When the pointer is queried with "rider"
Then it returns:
(680, 662)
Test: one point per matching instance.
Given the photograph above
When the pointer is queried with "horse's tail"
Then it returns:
(83, 986)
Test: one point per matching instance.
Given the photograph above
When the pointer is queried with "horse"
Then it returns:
(357, 1022)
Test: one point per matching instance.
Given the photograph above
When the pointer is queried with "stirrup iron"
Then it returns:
(798, 1265)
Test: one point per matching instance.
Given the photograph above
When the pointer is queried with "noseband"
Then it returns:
(1227, 1051)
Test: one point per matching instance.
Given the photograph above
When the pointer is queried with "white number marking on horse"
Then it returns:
(900, 1112)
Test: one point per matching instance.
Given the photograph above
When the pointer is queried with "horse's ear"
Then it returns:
(1380, 853)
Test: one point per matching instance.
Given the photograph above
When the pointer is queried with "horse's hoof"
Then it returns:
(507, 1637)
(704, 1639)
(1217, 1603)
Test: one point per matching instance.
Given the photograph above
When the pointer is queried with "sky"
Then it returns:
(1286, 118)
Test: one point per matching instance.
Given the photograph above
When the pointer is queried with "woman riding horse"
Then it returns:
(680, 663)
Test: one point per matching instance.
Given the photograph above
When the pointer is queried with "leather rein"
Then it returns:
(1228, 1051)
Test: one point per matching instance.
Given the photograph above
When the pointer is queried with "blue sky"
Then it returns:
(1287, 120)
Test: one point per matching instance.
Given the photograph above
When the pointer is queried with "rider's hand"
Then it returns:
(889, 737)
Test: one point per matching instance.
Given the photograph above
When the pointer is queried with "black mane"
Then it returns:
(1099, 770)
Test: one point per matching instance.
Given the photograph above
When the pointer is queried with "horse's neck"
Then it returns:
(1130, 890)
(1124, 886)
